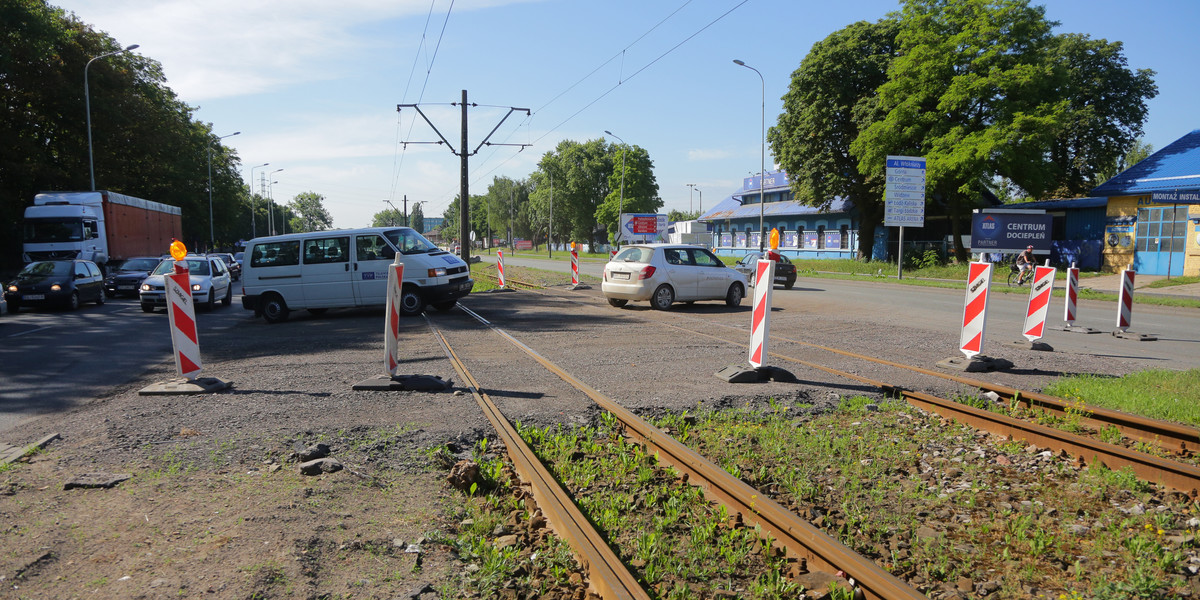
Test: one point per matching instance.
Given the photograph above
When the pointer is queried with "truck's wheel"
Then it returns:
(274, 310)
(411, 302)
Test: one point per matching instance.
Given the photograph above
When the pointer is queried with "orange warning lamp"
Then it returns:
(572, 245)
(178, 250)
(774, 239)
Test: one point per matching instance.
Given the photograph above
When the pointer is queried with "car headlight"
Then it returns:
(56, 288)
(12, 288)
(145, 287)
(437, 272)
(195, 287)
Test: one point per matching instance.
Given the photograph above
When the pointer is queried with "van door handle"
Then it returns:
(348, 267)
(355, 266)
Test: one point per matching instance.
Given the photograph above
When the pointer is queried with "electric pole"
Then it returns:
(464, 200)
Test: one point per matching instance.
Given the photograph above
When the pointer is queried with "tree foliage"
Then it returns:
(637, 193)
(146, 142)
(831, 99)
(310, 213)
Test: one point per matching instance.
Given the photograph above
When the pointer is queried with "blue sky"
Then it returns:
(313, 85)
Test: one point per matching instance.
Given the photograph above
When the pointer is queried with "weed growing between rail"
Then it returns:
(678, 544)
(1169, 395)
(955, 511)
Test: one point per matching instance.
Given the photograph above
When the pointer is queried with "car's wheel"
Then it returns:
(411, 302)
(211, 303)
(735, 294)
(14, 308)
(100, 298)
(617, 302)
(789, 284)
(445, 306)
(228, 299)
(663, 297)
(148, 308)
(274, 310)
(73, 301)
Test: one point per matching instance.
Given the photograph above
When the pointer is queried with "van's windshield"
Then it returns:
(409, 241)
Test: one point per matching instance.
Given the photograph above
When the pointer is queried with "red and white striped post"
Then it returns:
(391, 328)
(1039, 302)
(979, 281)
(760, 324)
(500, 266)
(1125, 300)
(574, 265)
(1070, 308)
(182, 315)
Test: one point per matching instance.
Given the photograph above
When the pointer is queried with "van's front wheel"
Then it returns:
(411, 302)
(274, 310)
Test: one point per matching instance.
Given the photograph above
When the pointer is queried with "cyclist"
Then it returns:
(1025, 263)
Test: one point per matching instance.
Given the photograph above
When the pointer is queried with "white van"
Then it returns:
(345, 268)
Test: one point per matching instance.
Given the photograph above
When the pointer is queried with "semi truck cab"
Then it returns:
(64, 231)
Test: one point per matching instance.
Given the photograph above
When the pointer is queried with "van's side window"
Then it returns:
(372, 247)
(327, 250)
(276, 254)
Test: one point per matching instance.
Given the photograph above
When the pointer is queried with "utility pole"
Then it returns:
(463, 154)
(511, 244)
(405, 210)
(550, 223)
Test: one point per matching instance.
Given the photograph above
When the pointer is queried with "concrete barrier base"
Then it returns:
(178, 387)
(746, 374)
(977, 364)
(417, 383)
(1038, 346)
(1139, 337)
(1075, 329)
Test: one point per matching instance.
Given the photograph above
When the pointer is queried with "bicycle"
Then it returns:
(1017, 277)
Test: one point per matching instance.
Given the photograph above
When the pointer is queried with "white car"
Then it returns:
(208, 275)
(668, 273)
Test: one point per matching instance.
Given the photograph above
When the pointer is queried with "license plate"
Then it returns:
(33, 297)
(126, 287)
(620, 276)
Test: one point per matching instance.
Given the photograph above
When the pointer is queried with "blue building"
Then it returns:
(804, 231)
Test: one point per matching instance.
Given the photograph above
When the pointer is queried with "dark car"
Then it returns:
(785, 271)
(235, 267)
(127, 276)
(63, 283)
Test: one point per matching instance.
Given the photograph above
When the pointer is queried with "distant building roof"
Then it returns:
(1069, 204)
(1175, 167)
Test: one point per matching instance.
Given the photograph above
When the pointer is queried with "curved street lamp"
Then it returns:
(762, 155)
(621, 202)
(211, 229)
(87, 103)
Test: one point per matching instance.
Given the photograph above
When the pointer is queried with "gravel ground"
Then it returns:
(216, 503)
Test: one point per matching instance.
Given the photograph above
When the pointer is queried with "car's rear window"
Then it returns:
(634, 254)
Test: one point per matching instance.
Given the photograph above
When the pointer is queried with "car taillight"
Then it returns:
(646, 273)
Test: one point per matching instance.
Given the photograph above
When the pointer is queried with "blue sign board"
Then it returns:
(777, 179)
(1010, 232)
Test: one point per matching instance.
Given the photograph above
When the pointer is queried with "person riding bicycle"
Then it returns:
(1025, 262)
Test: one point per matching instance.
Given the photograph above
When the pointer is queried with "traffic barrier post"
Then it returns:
(500, 266)
(760, 322)
(979, 281)
(1125, 310)
(182, 316)
(391, 330)
(1038, 307)
(1071, 304)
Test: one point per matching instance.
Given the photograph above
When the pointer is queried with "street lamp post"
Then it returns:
(691, 188)
(621, 202)
(211, 229)
(271, 203)
(87, 104)
(253, 220)
(700, 203)
(762, 155)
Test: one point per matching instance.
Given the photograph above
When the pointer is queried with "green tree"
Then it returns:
(1106, 107)
(640, 187)
(972, 92)
(388, 217)
(309, 213)
(416, 217)
(506, 199)
(683, 215)
(831, 99)
(580, 173)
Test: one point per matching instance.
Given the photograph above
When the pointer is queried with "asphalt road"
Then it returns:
(52, 360)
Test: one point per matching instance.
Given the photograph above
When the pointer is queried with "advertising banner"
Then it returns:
(740, 242)
(810, 240)
(833, 240)
(790, 239)
(1010, 232)
(726, 240)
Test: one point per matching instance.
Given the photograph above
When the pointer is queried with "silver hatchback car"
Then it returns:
(209, 277)
(669, 273)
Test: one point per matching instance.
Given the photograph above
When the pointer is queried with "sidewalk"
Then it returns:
(1111, 284)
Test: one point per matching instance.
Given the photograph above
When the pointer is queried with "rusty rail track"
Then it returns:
(607, 574)
(801, 539)
(1171, 437)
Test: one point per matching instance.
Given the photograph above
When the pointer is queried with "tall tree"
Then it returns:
(309, 213)
(831, 99)
(388, 217)
(973, 92)
(637, 193)
(416, 217)
(580, 174)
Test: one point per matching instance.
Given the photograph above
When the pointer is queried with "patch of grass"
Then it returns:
(1161, 394)
(1174, 281)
